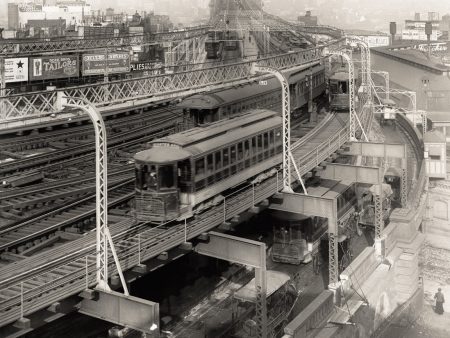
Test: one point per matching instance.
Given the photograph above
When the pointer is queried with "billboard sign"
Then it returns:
(146, 68)
(95, 64)
(30, 7)
(16, 70)
(53, 67)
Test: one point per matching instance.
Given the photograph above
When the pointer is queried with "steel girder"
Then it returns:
(17, 47)
(150, 88)
(101, 204)
(286, 116)
(247, 252)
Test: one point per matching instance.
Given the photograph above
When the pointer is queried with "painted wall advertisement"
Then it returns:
(53, 67)
(16, 70)
(95, 64)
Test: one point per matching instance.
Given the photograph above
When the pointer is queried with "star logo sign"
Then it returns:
(20, 64)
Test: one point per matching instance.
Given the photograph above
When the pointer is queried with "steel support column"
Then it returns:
(404, 183)
(286, 104)
(247, 252)
(102, 231)
(333, 254)
(379, 222)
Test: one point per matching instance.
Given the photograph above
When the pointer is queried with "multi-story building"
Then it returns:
(72, 11)
(415, 29)
(373, 39)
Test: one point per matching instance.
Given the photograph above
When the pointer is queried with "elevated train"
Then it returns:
(297, 236)
(214, 106)
(184, 173)
(339, 88)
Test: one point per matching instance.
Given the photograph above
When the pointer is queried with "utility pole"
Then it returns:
(2, 85)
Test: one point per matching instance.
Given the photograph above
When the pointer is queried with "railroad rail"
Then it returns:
(38, 196)
(44, 226)
(61, 272)
(54, 159)
(15, 47)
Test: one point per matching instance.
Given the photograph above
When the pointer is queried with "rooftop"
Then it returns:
(364, 32)
(413, 56)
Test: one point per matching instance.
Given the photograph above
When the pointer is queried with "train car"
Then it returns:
(224, 103)
(339, 88)
(211, 48)
(388, 112)
(185, 173)
(297, 236)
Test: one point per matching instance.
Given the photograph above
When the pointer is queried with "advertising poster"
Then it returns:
(95, 64)
(53, 67)
(16, 70)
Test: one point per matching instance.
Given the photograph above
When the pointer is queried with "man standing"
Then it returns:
(439, 296)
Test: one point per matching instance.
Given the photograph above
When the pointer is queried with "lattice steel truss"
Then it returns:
(365, 62)
(24, 47)
(379, 222)
(144, 90)
(101, 205)
(288, 159)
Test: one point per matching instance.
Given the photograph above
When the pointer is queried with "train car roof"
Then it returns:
(199, 140)
(329, 188)
(237, 93)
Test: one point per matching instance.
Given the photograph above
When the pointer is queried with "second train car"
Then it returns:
(224, 103)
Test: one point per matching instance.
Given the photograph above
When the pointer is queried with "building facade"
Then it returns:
(415, 29)
(413, 70)
(72, 11)
(373, 39)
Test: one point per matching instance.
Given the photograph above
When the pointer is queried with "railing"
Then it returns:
(34, 46)
(420, 181)
(148, 243)
(142, 90)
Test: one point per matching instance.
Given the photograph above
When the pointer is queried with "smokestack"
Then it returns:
(393, 31)
(428, 32)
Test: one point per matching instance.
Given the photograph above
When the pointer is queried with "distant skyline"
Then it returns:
(364, 14)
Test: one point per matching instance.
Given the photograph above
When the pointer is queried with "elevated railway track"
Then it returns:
(13, 48)
(61, 272)
(39, 106)
(79, 215)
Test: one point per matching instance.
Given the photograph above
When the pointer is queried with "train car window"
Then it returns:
(266, 141)
(200, 166)
(138, 176)
(184, 175)
(254, 149)
(166, 174)
(260, 144)
(209, 164)
(233, 154)
(151, 178)
(278, 139)
(218, 159)
(225, 157)
(272, 143)
(240, 151)
(247, 149)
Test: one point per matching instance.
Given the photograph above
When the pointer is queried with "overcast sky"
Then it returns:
(340, 13)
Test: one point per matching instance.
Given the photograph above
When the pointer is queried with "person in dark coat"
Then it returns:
(439, 296)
